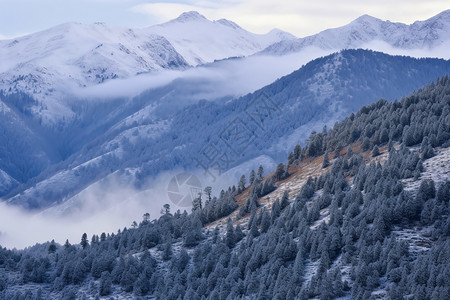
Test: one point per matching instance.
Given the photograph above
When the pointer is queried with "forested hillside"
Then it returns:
(370, 224)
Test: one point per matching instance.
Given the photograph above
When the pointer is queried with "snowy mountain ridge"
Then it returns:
(321, 92)
(429, 34)
(75, 55)
(200, 40)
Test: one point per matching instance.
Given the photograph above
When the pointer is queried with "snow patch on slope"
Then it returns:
(6, 182)
(436, 168)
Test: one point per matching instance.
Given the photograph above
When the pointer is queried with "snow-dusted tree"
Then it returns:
(375, 151)
(230, 235)
(252, 177)
(208, 192)
(166, 209)
(279, 172)
(84, 241)
(326, 160)
(52, 247)
(197, 203)
(260, 173)
(105, 287)
(241, 185)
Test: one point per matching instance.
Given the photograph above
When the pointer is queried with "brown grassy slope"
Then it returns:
(299, 174)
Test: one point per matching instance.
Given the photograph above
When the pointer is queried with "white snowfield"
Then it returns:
(6, 181)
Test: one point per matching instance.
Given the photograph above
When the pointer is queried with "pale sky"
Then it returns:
(299, 17)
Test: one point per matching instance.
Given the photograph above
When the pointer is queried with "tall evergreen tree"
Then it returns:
(84, 241)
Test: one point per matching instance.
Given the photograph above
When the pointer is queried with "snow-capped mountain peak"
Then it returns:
(366, 19)
(189, 17)
(71, 56)
(200, 40)
(53, 62)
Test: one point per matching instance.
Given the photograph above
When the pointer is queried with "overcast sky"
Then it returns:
(300, 17)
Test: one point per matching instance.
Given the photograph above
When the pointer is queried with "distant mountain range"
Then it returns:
(51, 63)
(429, 34)
(55, 145)
(48, 65)
(145, 136)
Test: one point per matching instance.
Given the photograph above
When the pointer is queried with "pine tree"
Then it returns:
(67, 245)
(375, 151)
(254, 229)
(3, 280)
(241, 185)
(52, 247)
(167, 252)
(146, 218)
(426, 149)
(238, 234)
(391, 147)
(208, 192)
(276, 210)
(326, 161)
(252, 177)
(279, 172)
(366, 144)
(297, 152)
(265, 221)
(197, 203)
(105, 287)
(286, 171)
(84, 241)
(230, 236)
(166, 209)
(260, 173)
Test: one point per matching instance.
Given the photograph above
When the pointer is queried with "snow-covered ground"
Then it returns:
(6, 181)
(436, 168)
(419, 239)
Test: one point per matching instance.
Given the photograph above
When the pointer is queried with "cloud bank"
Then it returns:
(106, 206)
(232, 77)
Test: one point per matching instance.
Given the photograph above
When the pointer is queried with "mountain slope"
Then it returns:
(26, 149)
(155, 137)
(429, 34)
(370, 224)
(52, 65)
